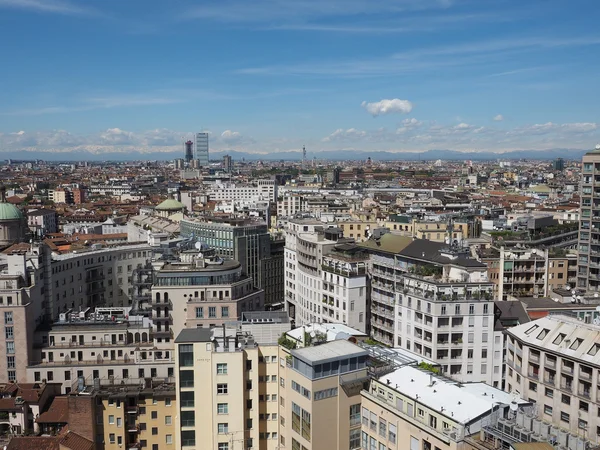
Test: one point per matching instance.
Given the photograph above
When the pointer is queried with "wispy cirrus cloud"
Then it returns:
(51, 6)
(477, 55)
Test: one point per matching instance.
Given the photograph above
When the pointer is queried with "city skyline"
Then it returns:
(394, 76)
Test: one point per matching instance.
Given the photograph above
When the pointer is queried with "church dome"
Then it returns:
(170, 204)
(9, 211)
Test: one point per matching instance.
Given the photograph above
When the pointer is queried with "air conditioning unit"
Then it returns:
(573, 441)
(527, 423)
(520, 418)
(545, 430)
(537, 424)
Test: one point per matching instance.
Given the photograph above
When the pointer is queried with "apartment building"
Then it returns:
(21, 311)
(42, 221)
(435, 301)
(245, 240)
(307, 242)
(201, 291)
(102, 344)
(227, 390)
(588, 275)
(555, 362)
(290, 204)
(320, 396)
(459, 228)
(530, 272)
(250, 192)
(137, 413)
(92, 277)
(345, 288)
(411, 408)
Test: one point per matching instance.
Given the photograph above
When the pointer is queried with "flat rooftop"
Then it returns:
(330, 351)
(464, 402)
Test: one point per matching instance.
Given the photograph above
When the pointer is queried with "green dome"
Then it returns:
(170, 204)
(10, 212)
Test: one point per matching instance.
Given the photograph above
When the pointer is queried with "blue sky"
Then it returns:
(272, 75)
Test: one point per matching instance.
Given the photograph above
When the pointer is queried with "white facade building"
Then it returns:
(259, 190)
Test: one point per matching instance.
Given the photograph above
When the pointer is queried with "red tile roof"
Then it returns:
(74, 441)
(36, 442)
(57, 413)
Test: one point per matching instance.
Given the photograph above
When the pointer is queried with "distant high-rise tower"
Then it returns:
(588, 274)
(202, 149)
(227, 163)
(559, 164)
(189, 151)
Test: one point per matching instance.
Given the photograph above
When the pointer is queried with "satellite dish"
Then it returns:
(596, 295)
(597, 146)
(513, 406)
(556, 300)
(198, 245)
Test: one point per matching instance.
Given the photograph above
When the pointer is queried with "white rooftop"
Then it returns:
(330, 351)
(562, 334)
(331, 330)
(464, 402)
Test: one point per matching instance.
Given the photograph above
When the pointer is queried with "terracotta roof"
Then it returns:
(74, 441)
(57, 413)
(37, 442)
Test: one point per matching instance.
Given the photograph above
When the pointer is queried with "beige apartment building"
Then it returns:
(555, 361)
(320, 396)
(103, 344)
(138, 414)
(201, 291)
(227, 390)
(414, 409)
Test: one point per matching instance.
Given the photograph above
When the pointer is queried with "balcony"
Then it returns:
(550, 363)
(163, 334)
(533, 375)
(584, 375)
(567, 387)
(133, 428)
(567, 369)
(584, 393)
(550, 380)
(132, 409)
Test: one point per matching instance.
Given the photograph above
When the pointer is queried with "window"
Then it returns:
(222, 408)
(111, 420)
(564, 417)
(111, 438)
(200, 313)
(221, 368)
(10, 348)
(8, 317)
(119, 422)
(223, 428)
(224, 311)
(582, 424)
(168, 420)
(532, 386)
(355, 439)
(548, 410)
(565, 399)
(212, 312)
(222, 388)
(223, 446)
(392, 433)
(169, 439)
(549, 393)
(154, 431)
(154, 414)
(9, 333)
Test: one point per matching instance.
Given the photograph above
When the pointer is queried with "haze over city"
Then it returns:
(268, 77)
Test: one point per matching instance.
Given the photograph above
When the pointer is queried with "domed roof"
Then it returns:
(170, 204)
(9, 211)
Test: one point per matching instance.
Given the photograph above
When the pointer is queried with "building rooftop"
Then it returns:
(265, 317)
(463, 402)
(333, 331)
(330, 351)
(191, 335)
(562, 334)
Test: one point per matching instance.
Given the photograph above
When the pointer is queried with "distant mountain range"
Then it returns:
(336, 155)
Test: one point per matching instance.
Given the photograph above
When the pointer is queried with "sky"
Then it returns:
(266, 76)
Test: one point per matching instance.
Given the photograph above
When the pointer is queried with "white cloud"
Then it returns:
(340, 135)
(388, 106)
(463, 126)
(229, 135)
(49, 6)
(499, 118)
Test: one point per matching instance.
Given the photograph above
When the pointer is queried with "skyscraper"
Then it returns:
(559, 164)
(202, 149)
(189, 151)
(588, 274)
(227, 163)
